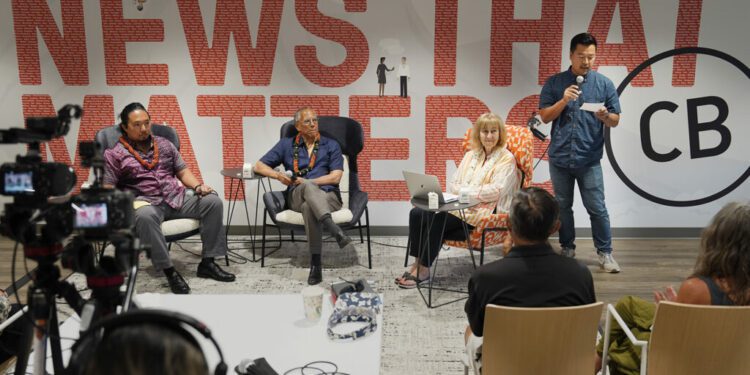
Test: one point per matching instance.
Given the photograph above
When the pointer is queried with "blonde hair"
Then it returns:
(485, 121)
(725, 251)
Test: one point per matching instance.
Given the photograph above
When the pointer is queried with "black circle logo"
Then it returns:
(608, 144)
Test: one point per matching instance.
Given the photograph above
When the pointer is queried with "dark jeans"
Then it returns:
(429, 236)
(591, 186)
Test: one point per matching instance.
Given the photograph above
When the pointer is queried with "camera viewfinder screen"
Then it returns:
(91, 215)
(17, 183)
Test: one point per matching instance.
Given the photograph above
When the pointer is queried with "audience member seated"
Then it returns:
(531, 274)
(153, 169)
(488, 171)
(145, 349)
(721, 277)
(315, 166)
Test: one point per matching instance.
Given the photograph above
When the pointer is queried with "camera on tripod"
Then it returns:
(43, 215)
(29, 178)
(35, 180)
(36, 187)
(100, 213)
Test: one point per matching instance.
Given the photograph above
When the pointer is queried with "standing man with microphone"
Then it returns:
(577, 144)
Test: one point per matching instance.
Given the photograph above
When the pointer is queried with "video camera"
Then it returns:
(100, 212)
(36, 186)
(43, 215)
(96, 212)
(29, 177)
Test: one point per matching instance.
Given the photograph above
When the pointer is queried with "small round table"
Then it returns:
(444, 207)
(234, 193)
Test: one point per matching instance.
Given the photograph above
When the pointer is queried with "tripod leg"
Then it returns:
(24, 344)
(54, 338)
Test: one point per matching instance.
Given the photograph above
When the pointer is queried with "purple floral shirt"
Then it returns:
(156, 186)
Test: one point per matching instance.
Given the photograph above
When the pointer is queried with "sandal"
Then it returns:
(405, 275)
(414, 280)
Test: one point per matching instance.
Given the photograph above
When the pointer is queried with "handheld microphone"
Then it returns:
(579, 82)
(532, 124)
(290, 175)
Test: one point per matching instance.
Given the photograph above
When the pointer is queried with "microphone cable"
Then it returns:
(532, 124)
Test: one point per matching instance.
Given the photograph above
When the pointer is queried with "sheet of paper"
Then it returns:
(592, 107)
(448, 197)
(139, 204)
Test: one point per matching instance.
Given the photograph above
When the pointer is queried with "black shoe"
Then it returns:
(211, 270)
(177, 284)
(343, 240)
(316, 275)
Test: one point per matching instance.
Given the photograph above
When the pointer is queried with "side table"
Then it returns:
(234, 193)
(445, 207)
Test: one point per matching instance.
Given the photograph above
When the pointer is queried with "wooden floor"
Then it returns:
(6, 265)
(21, 267)
(647, 265)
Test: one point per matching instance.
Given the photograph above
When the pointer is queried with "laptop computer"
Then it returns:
(420, 184)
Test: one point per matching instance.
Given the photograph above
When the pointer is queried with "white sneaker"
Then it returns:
(568, 252)
(608, 263)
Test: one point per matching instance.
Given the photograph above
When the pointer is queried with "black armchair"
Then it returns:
(350, 136)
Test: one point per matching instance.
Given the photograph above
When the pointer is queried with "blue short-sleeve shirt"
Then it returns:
(329, 159)
(577, 135)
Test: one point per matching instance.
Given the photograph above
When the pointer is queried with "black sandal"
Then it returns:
(405, 275)
(413, 278)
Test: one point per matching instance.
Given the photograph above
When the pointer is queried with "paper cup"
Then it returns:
(247, 170)
(312, 298)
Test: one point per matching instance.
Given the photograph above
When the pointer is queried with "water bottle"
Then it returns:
(463, 195)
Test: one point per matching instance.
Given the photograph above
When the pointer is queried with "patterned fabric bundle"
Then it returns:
(355, 307)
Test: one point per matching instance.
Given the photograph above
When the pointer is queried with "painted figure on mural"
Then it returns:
(577, 144)
(152, 168)
(382, 69)
(404, 75)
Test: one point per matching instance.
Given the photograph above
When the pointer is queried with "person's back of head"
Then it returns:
(534, 214)
(144, 349)
(725, 250)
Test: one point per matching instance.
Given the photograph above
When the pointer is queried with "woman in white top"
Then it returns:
(489, 173)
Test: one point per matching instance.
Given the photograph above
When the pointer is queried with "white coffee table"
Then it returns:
(261, 325)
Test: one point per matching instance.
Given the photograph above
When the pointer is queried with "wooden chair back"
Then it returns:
(699, 339)
(554, 340)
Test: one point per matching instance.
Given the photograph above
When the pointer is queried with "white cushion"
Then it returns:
(177, 226)
(344, 215)
(344, 185)
(341, 216)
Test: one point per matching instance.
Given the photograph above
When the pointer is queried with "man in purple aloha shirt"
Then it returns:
(153, 170)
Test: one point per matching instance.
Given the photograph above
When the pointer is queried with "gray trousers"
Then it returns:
(208, 209)
(308, 199)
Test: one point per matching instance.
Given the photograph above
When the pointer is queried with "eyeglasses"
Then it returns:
(310, 121)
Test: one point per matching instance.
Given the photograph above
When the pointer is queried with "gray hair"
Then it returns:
(298, 114)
